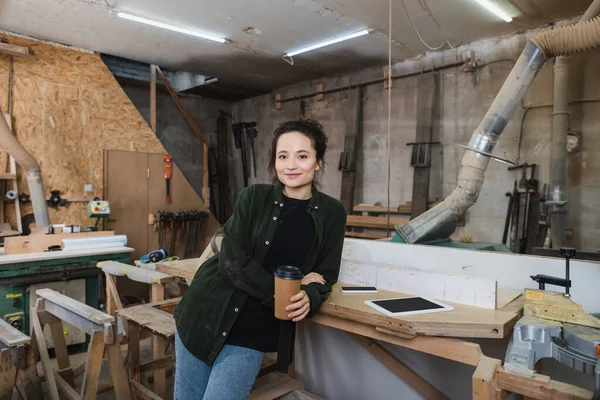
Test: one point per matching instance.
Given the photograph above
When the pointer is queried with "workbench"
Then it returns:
(19, 272)
(442, 334)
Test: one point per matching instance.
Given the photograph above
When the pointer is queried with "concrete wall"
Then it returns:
(465, 97)
(173, 130)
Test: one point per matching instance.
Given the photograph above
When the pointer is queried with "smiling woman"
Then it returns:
(225, 321)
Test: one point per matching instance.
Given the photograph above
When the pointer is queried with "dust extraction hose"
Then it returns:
(11, 145)
(438, 223)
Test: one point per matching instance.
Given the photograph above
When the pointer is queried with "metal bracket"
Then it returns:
(490, 155)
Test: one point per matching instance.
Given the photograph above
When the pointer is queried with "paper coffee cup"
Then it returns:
(287, 284)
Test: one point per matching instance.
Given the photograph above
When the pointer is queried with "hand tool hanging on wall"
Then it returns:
(240, 143)
(523, 214)
(181, 231)
(168, 161)
(252, 133)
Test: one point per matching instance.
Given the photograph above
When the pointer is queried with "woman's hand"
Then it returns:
(300, 306)
(313, 277)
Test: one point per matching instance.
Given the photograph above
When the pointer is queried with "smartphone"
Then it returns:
(358, 289)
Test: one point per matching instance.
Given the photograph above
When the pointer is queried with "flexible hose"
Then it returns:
(31, 167)
(569, 39)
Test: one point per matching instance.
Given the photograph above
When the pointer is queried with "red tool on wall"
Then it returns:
(168, 163)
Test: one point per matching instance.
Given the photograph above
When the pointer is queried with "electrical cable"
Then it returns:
(419, 35)
(389, 141)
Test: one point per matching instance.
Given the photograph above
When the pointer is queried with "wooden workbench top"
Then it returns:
(54, 255)
(150, 317)
(463, 321)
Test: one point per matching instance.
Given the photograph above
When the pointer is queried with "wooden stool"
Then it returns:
(52, 308)
(17, 364)
(161, 325)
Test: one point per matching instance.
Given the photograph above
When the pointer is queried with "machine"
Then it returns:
(554, 326)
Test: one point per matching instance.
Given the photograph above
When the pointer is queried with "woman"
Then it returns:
(225, 321)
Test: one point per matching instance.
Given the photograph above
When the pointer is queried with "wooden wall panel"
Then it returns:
(67, 109)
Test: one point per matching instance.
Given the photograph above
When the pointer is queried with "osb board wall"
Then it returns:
(67, 109)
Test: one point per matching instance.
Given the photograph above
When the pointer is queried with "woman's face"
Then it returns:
(296, 160)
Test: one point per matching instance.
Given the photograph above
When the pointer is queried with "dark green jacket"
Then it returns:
(211, 305)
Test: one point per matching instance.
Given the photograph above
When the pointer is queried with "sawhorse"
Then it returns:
(52, 308)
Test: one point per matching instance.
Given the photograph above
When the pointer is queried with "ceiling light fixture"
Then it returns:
(171, 27)
(327, 43)
(494, 9)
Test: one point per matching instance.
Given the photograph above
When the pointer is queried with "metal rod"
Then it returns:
(368, 83)
(568, 275)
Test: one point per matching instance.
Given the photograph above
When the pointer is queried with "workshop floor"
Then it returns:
(105, 384)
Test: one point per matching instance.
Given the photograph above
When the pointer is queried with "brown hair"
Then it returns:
(308, 127)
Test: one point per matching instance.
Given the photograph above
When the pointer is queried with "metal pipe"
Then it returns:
(29, 165)
(438, 223)
(560, 129)
(371, 82)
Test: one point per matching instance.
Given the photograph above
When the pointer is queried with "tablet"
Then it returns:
(408, 306)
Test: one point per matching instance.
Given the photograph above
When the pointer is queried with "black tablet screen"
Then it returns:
(406, 304)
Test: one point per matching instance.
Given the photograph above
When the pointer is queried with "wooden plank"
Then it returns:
(555, 306)
(155, 320)
(118, 373)
(159, 347)
(507, 296)
(14, 50)
(135, 273)
(8, 176)
(184, 268)
(448, 348)
(74, 306)
(28, 382)
(375, 222)
(371, 208)
(139, 392)
(365, 235)
(40, 243)
(163, 362)
(273, 390)
(8, 372)
(426, 389)
(93, 365)
(484, 379)
(133, 351)
(427, 113)
(153, 97)
(43, 353)
(65, 387)
(56, 255)
(540, 387)
(11, 336)
(182, 108)
(456, 288)
(60, 348)
(205, 179)
(463, 321)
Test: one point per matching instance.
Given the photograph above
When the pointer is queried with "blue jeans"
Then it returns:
(230, 378)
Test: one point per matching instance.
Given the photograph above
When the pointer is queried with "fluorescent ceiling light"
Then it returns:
(171, 27)
(327, 43)
(494, 9)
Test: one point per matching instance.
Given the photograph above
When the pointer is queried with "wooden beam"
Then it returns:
(540, 387)
(484, 379)
(43, 353)
(139, 392)
(93, 365)
(400, 369)
(182, 108)
(13, 50)
(205, 178)
(320, 96)
(153, 97)
(451, 349)
(375, 222)
(278, 103)
(65, 387)
(118, 373)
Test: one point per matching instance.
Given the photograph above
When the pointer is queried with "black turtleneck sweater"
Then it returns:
(256, 327)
